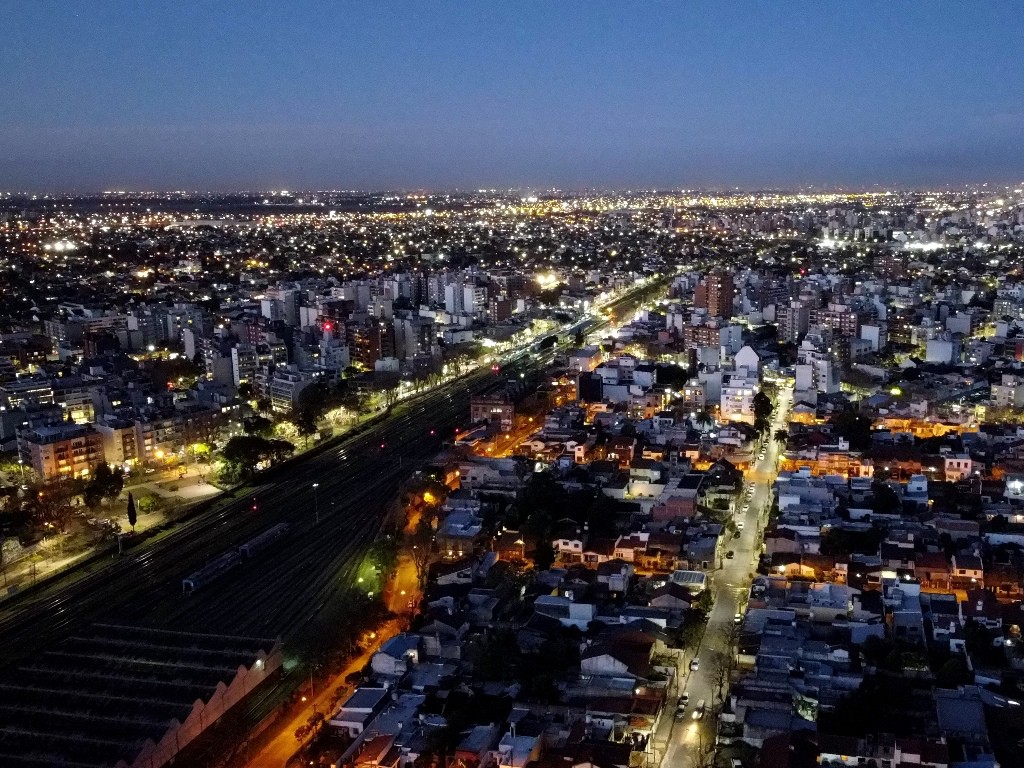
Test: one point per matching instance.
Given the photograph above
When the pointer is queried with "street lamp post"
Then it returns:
(316, 504)
(21, 465)
(312, 692)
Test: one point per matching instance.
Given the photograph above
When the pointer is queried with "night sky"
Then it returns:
(332, 95)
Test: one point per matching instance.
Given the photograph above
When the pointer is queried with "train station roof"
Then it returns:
(103, 696)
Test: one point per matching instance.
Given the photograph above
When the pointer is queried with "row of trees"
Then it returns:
(244, 453)
(763, 408)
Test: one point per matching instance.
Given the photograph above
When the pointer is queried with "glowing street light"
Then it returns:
(316, 504)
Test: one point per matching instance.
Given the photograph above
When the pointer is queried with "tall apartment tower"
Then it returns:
(716, 294)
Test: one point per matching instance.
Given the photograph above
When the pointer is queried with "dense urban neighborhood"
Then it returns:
(505, 479)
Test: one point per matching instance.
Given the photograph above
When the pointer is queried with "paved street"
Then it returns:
(731, 582)
(399, 592)
(283, 746)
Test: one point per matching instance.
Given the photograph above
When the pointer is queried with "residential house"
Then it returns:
(625, 654)
(397, 655)
(672, 596)
(359, 709)
(967, 572)
(931, 569)
(448, 572)
(981, 607)
(615, 574)
(568, 613)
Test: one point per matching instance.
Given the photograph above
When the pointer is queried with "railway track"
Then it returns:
(282, 589)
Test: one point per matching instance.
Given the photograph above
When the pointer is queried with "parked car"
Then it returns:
(694, 665)
(739, 525)
(737, 619)
(730, 555)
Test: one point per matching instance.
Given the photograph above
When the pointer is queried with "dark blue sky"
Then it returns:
(228, 95)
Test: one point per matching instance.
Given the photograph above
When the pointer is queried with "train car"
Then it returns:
(212, 570)
(263, 540)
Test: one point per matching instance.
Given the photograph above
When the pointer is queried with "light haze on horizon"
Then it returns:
(303, 95)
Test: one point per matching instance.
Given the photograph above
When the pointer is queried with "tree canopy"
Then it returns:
(104, 483)
(762, 412)
(244, 452)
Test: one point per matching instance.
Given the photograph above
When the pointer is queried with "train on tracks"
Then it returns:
(235, 557)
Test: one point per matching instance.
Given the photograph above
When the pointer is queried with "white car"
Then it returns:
(739, 525)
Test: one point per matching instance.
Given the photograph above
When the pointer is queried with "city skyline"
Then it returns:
(533, 385)
(438, 96)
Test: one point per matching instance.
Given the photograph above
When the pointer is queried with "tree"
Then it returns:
(953, 673)
(279, 450)
(422, 544)
(305, 423)
(720, 668)
(781, 436)
(315, 721)
(543, 555)
(495, 655)
(705, 602)
(244, 452)
(52, 505)
(104, 483)
(884, 500)
(690, 630)
(132, 517)
(762, 412)
(179, 373)
(150, 503)
(258, 425)
(855, 428)
(700, 755)
(841, 541)
(384, 555)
